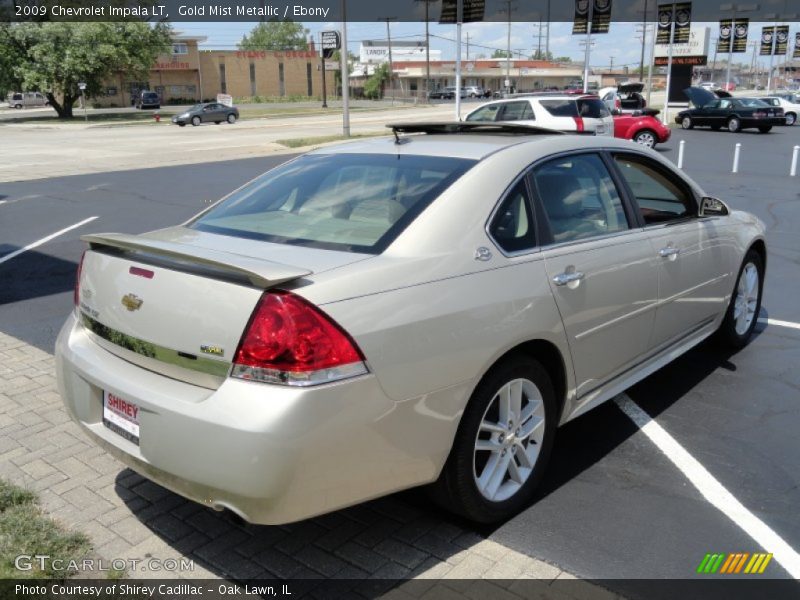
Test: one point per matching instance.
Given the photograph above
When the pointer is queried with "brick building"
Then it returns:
(191, 74)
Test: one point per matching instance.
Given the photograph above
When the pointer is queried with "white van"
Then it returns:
(26, 99)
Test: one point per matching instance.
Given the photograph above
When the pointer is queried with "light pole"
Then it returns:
(644, 37)
(345, 75)
(734, 8)
(775, 17)
(588, 42)
(507, 10)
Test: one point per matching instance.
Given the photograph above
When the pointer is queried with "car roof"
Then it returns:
(474, 146)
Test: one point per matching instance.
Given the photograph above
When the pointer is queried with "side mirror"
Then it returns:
(616, 112)
(713, 207)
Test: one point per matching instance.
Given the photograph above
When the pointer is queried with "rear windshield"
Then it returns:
(350, 202)
(592, 108)
(560, 108)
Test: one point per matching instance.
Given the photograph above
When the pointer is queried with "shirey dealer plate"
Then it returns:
(121, 416)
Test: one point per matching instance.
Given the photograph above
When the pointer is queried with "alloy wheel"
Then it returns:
(509, 440)
(646, 138)
(744, 308)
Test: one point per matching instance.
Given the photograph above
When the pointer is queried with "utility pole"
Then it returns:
(547, 37)
(467, 34)
(389, 43)
(611, 67)
(714, 64)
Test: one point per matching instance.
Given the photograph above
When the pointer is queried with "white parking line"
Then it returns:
(711, 489)
(778, 323)
(44, 240)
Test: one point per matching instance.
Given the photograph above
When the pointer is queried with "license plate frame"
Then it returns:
(121, 416)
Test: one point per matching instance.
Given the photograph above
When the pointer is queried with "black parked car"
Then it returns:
(733, 113)
(209, 112)
(148, 99)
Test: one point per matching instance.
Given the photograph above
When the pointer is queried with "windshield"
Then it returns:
(350, 202)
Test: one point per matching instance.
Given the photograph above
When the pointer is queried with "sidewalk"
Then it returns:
(127, 516)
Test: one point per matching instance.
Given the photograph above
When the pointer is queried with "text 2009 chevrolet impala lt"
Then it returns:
(396, 312)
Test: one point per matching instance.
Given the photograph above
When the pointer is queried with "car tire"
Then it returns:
(791, 119)
(765, 129)
(687, 123)
(742, 314)
(195, 121)
(468, 484)
(734, 125)
(231, 118)
(646, 138)
(18, 106)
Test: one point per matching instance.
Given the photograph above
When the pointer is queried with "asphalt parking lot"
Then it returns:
(613, 507)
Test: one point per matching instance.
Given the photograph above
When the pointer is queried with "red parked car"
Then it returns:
(643, 128)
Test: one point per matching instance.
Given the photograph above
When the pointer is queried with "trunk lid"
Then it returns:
(177, 301)
(699, 96)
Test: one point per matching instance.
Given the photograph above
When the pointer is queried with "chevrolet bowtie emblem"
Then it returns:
(132, 302)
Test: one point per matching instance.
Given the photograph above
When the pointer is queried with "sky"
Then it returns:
(621, 42)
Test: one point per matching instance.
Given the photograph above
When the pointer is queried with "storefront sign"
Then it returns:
(172, 65)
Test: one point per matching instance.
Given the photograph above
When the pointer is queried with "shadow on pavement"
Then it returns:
(34, 275)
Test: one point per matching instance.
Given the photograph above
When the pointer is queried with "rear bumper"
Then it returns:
(270, 453)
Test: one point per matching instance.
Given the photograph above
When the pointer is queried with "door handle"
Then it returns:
(669, 252)
(565, 278)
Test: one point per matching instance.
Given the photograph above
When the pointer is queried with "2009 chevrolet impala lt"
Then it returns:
(383, 314)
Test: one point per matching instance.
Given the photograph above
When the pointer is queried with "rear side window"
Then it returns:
(659, 197)
(512, 226)
(484, 113)
(579, 198)
(516, 111)
(560, 108)
(592, 108)
(349, 202)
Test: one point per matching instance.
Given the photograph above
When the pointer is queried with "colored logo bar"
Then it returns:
(734, 563)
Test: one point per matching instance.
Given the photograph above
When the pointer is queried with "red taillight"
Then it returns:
(617, 103)
(579, 123)
(289, 340)
(77, 292)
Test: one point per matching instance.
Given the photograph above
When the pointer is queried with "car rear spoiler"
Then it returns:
(260, 273)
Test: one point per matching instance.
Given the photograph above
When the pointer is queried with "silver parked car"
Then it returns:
(388, 313)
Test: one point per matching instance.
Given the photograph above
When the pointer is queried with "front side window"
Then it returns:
(484, 113)
(579, 198)
(348, 202)
(659, 197)
(512, 226)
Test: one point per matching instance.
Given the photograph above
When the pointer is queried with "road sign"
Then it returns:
(81, 86)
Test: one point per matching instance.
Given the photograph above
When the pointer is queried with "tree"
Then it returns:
(499, 54)
(276, 35)
(54, 57)
(373, 87)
